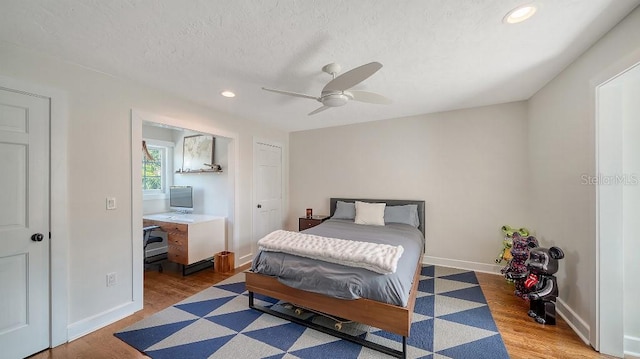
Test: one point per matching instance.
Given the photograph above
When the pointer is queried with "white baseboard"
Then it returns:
(573, 320)
(579, 325)
(93, 323)
(244, 260)
(631, 346)
(454, 263)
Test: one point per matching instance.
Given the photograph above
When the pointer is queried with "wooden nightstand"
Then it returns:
(306, 222)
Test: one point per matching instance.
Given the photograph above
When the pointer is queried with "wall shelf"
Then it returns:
(198, 171)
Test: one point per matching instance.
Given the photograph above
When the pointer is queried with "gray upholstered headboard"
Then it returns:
(389, 202)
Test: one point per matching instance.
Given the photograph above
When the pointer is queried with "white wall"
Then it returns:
(158, 133)
(211, 191)
(562, 150)
(470, 166)
(99, 155)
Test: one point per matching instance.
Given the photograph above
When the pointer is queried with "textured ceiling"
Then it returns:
(438, 55)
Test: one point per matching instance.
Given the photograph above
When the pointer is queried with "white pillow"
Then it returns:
(370, 213)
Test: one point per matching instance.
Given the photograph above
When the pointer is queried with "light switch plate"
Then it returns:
(111, 203)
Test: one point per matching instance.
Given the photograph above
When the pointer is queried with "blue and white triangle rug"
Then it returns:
(451, 320)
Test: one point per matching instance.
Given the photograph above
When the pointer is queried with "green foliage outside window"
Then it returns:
(152, 170)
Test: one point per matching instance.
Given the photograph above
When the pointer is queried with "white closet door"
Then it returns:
(24, 224)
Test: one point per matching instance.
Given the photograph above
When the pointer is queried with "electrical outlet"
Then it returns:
(111, 203)
(111, 279)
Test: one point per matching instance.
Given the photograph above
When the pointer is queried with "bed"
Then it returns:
(363, 304)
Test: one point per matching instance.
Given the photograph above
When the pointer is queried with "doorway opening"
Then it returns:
(213, 188)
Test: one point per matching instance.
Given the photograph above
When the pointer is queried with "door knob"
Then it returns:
(38, 237)
(259, 206)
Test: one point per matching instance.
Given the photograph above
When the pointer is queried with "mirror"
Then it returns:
(197, 153)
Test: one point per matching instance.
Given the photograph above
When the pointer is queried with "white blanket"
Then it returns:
(380, 258)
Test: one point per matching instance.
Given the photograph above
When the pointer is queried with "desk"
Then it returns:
(191, 238)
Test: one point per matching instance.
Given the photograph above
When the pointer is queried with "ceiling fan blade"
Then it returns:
(291, 93)
(319, 109)
(370, 97)
(352, 77)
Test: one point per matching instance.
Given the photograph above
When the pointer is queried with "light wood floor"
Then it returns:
(523, 337)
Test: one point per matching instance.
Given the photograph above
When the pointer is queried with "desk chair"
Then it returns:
(147, 239)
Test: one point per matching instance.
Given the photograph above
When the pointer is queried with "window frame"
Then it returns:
(167, 168)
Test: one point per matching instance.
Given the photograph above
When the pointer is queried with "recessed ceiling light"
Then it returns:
(228, 94)
(520, 14)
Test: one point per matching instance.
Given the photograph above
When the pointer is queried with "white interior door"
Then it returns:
(268, 189)
(618, 207)
(24, 212)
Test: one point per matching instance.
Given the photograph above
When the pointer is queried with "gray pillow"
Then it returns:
(344, 210)
(407, 214)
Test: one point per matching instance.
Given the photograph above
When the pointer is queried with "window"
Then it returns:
(153, 170)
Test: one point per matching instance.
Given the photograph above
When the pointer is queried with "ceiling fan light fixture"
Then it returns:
(520, 14)
(227, 93)
(335, 100)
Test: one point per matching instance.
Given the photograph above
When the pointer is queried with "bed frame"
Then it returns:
(391, 318)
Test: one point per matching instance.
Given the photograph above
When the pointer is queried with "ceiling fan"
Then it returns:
(337, 92)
